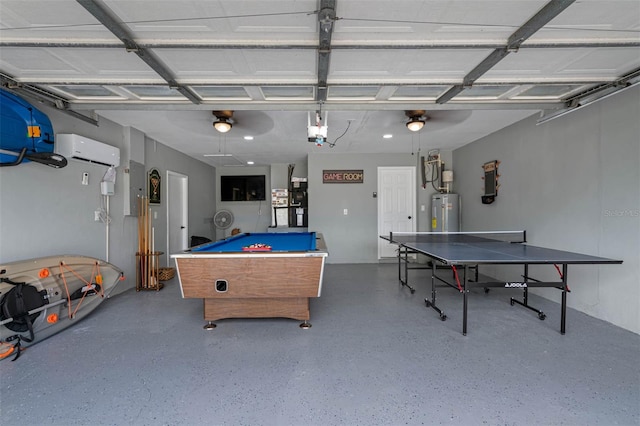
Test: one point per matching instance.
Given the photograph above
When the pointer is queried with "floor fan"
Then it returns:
(223, 219)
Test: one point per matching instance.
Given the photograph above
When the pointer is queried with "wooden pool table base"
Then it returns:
(258, 307)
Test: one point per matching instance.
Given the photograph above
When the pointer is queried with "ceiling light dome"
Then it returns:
(222, 125)
(415, 123)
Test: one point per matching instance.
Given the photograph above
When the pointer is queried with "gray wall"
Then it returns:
(201, 195)
(354, 238)
(574, 184)
(44, 211)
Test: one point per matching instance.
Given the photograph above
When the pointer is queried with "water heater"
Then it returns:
(445, 213)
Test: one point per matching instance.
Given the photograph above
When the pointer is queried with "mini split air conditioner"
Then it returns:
(76, 147)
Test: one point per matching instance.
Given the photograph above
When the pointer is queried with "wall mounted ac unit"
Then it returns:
(76, 147)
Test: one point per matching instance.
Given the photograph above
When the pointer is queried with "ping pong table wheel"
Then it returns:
(541, 316)
(443, 317)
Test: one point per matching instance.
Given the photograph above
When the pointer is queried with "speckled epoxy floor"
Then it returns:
(375, 355)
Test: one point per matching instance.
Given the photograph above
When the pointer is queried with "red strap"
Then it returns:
(561, 276)
(455, 274)
(94, 272)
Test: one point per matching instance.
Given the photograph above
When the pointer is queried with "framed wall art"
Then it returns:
(155, 187)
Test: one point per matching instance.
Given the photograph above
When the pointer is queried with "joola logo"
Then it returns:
(515, 285)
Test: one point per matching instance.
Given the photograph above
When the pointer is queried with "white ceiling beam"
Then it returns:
(289, 105)
(275, 45)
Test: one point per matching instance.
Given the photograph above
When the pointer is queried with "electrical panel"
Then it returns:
(134, 178)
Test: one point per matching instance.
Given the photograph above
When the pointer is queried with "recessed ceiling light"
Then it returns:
(250, 163)
(387, 136)
(248, 138)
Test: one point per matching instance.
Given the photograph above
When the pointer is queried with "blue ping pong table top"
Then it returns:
(478, 251)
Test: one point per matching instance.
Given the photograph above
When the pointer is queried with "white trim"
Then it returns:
(185, 209)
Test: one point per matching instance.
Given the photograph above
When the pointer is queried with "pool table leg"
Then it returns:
(305, 325)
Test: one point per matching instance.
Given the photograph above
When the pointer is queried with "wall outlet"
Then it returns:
(96, 216)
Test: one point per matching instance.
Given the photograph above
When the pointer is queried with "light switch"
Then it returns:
(346, 212)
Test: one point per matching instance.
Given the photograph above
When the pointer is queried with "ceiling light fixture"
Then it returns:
(415, 123)
(222, 125)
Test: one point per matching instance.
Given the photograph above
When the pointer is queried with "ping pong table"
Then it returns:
(463, 252)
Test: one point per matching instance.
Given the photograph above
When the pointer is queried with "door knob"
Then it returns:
(409, 217)
(182, 227)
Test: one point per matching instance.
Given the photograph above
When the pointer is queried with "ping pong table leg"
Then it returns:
(563, 314)
(525, 295)
(400, 263)
(404, 281)
(464, 300)
(432, 303)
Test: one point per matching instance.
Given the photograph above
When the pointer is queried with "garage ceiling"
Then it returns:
(162, 67)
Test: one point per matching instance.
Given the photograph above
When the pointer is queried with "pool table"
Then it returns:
(254, 275)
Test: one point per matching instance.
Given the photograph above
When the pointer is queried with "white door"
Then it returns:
(177, 214)
(396, 205)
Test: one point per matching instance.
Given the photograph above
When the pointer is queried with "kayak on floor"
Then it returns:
(40, 297)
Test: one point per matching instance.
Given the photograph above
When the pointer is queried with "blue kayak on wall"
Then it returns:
(26, 133)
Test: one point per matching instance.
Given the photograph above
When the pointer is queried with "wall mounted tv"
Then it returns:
(242, 188)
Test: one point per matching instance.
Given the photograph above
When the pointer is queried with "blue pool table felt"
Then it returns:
(279, 242)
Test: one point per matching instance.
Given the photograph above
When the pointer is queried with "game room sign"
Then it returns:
(342, 176)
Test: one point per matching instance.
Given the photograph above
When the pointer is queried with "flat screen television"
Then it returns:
(242, 188)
